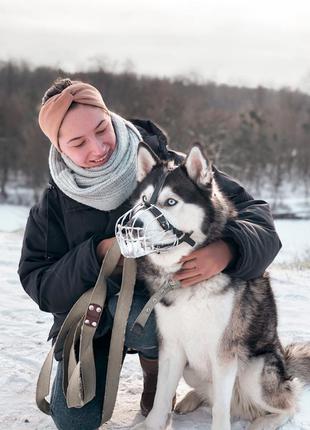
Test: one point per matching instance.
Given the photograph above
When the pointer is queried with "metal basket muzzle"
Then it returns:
(144, 230)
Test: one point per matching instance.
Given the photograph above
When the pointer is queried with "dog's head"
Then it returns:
(187, 198)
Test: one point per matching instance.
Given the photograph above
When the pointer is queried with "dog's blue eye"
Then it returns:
(170, 202)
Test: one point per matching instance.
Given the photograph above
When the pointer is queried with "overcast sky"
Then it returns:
(239, 42)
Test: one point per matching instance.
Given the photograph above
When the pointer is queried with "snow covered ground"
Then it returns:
(24, 329)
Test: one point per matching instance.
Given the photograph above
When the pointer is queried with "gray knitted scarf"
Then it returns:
(104, 187)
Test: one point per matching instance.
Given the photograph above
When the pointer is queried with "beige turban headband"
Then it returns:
(55, 108)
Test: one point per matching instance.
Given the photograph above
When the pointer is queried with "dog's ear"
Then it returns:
(199, 169)
(146, 160)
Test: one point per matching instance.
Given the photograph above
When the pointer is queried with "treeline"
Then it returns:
(259, 135)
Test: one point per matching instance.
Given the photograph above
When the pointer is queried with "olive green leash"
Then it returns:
(79, 378)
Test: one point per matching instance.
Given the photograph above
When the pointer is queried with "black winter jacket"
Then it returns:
(59, 263)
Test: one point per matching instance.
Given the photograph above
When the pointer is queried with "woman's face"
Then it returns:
(87, 136)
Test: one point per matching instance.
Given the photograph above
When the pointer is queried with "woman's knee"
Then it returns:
(144, 341)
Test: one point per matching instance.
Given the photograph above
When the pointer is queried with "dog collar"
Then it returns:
(144, 315)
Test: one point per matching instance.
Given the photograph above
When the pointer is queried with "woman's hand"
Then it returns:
(103, 247)
(204, 263)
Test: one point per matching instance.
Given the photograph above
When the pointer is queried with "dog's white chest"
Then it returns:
(197, 319)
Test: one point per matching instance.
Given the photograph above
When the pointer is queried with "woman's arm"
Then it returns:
(51, 274)
(252, 234)
(249, 243)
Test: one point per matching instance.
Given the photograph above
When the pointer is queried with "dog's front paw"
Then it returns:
(189, 404)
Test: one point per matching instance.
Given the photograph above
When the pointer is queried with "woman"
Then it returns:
(93, 172)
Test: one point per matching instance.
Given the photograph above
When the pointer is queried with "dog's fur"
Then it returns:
(220, 334)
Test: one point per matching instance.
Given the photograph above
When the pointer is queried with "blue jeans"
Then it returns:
(89, 416)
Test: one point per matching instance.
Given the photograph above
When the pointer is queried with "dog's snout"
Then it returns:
(136, 222)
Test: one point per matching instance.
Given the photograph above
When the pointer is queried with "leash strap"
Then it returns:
(79, 381)
(118, 338)
(143, 316)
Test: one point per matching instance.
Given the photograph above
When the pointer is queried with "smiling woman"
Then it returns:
(93, 156)
(87, 136)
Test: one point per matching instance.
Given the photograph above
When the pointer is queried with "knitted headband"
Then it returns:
(55, 108)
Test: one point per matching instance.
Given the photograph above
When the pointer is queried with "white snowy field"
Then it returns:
(24, 329)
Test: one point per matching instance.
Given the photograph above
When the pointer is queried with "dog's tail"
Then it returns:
(297, 357)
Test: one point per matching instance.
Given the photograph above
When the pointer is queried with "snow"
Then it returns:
(295, 238)
(24, 330)
(13, 218)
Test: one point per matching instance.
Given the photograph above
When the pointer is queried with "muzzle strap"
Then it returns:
(158, 187)
(165, 225)
(184, 237)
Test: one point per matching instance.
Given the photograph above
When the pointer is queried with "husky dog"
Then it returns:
(220, 334)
